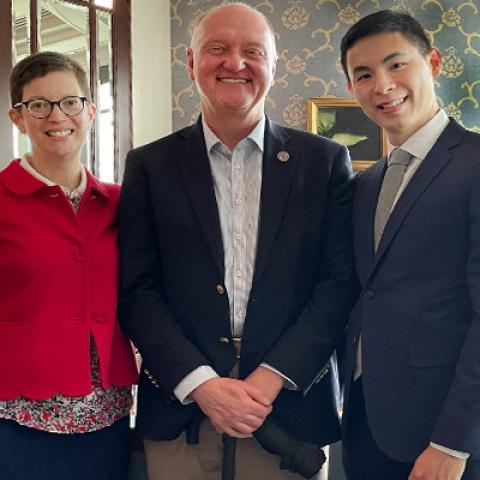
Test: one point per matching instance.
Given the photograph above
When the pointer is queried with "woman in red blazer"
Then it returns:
(66, 369)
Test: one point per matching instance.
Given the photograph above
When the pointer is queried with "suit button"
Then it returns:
(369, 294)
(220, 289)
(224, 340)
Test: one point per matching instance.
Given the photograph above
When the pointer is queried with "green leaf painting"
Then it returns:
(326, 120)
(348, 139)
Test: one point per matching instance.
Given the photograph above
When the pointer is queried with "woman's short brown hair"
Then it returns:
(40, 64)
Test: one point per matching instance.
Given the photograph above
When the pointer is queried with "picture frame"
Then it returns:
(342, 120)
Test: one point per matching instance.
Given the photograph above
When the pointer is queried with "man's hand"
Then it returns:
(267, 381)
(434, 464)
(233, 406)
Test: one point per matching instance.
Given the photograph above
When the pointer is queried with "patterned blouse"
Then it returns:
(61, 414)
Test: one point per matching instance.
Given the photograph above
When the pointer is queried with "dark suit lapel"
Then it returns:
(195, 171)
(365, 205)
(276, 181)
(436, 160)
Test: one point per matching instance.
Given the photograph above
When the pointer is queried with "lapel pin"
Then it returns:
(283, 156)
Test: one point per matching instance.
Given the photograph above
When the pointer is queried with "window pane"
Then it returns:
(63, 27)
(20, 49)
(104, 3)
(105, 112)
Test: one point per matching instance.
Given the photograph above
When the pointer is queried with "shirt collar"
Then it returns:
(25, 162)
(422, 141)
(256, 135)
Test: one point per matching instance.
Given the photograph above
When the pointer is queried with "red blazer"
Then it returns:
(58, 287)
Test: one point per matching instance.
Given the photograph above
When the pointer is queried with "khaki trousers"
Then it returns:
(176, 460)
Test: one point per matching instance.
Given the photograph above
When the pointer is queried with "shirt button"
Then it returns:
(239, 273)
(369, 294)
(220, 289)
(238, 236)
(238, 201)
(224, 340)
(237, 167)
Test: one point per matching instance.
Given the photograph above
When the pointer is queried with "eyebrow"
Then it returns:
(362, 68)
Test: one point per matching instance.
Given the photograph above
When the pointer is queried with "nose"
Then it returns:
(384, 83)
(234, 61)
(56, 114)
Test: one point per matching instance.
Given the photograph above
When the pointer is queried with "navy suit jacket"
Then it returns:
(419, 309)
(172, 263)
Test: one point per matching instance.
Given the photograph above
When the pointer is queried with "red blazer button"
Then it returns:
(80, 255)
(100, 317)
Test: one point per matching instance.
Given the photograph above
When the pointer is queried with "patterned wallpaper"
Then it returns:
(308, 37)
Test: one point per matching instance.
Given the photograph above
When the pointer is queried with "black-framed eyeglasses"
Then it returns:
(42, 108)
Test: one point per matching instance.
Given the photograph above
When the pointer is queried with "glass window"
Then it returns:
(104, 3)
(105, 104)
(21, 48)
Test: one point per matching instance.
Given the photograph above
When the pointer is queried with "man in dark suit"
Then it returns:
(412, 403)
(234, 231)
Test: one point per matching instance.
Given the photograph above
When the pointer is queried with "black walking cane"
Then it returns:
(295, 455)
(228, 459)
(228, 463)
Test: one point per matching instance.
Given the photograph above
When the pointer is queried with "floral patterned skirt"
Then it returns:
(61, 414)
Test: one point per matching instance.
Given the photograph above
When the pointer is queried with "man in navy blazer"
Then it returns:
(235, 232)
(412, 400)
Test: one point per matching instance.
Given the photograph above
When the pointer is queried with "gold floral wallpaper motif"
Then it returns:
(308, 34)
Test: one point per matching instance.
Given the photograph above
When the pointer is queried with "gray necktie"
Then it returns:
(397, 164)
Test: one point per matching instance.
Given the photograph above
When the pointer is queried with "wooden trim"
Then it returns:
(33, 26)
(6, 142)
(122, 83)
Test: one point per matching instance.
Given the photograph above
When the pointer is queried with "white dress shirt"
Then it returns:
(237, 182)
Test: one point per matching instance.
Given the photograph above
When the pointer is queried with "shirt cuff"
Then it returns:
(287, 382)
(449, 451)
(194, 379)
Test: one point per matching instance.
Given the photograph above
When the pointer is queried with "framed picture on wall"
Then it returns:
(342, 120)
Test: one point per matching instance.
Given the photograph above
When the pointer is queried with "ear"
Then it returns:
(274, 70)
(190, 64)
(17, 120)
(92, 110)
(349, 87)
(434, 59)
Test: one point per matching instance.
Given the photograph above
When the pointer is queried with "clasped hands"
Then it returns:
(239, 407)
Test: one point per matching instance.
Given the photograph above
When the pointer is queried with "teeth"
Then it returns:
(393, 103)
(233, 80)
(59, 133)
